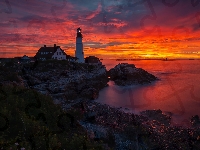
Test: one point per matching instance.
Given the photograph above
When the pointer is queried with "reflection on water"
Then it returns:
(177, 91)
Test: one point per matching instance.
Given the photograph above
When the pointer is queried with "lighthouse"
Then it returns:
(79, 47)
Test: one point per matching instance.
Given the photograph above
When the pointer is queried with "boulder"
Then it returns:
(128, 74)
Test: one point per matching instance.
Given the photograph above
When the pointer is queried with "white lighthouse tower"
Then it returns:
(79, 47)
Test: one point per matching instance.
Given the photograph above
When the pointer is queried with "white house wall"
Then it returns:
(59, 55)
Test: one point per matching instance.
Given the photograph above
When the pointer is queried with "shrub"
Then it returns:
(34, 120)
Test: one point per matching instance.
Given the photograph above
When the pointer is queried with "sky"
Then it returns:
(110, 28)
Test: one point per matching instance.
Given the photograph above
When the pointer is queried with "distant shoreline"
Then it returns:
(125, 59)
(151, 59)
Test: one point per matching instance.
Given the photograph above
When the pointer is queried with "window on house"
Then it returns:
(55, 57)
(57, 53)
(60, 53)
(41, 52)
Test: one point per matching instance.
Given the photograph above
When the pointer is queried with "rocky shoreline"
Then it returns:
(149, 130)
(76, 86)
(71, 82)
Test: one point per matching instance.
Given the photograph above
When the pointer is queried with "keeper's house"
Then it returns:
(55, 52)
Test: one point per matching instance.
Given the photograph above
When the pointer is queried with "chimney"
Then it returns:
(54, 45)
(44, 45)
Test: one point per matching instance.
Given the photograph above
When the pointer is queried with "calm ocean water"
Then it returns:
(177, 91)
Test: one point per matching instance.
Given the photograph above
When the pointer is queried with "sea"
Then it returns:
(176, 93)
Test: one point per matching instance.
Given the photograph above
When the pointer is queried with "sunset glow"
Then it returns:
(111, 29)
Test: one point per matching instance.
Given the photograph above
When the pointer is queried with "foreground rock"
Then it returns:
(128, 74)
(158, 116)
(149, 130)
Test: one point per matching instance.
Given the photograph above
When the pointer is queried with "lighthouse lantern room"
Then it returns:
(79, 47)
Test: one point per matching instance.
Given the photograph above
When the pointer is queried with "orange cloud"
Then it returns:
(110, 30)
